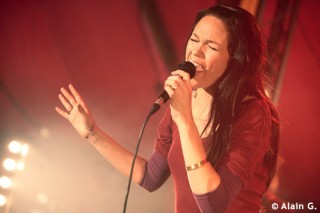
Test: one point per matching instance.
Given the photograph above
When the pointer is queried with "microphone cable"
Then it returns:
(154, 108)
(185, 66)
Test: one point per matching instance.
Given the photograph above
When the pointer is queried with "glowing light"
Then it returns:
(5, 182)
(17, 147)
(3, 200)
(14, 147)
(9, 164)
(24, 149)
(20, 166)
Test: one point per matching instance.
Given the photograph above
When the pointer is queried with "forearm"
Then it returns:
(157, 172)
(118, 156)
(219, 199)
(205, 178)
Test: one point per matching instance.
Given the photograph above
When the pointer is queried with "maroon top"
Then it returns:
(242, 171)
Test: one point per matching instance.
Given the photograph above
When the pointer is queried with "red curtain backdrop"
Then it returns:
(101, 48)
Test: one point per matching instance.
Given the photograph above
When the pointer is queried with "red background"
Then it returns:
(101, 48)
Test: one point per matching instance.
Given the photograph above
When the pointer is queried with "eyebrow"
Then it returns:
(208, 40)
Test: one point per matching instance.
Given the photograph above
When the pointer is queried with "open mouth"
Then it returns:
(199, 68)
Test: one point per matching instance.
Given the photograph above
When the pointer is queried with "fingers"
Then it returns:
(171, 82)
(174, 85)
(68, 100)
(169, 89)
(77, 97)
(184, 75)
(68, 97)
(65, 102)
(75, 94)
(178, 80)
(62, 113)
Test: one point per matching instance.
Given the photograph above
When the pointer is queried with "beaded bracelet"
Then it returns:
(196, 165)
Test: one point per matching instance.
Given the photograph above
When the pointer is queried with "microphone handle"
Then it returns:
(185, 66)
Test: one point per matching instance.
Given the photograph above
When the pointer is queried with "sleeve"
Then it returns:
(157, 169)
(249, 143)
(164, 139)
(157, 172)
(219, 199)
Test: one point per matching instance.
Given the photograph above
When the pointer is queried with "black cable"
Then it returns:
(154, 108)
(185, 66)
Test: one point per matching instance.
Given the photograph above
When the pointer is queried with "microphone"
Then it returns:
(163, 97)
(185, 66)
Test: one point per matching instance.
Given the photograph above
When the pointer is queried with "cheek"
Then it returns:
(187, 51)
(216, 71)
(219, 69)
(220, 64)
(211, 77)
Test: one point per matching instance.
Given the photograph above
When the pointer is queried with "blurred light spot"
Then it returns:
(3, 200)
(9, 164)
(24, 149)
(15, 147)
(5, 182)
(20, 166)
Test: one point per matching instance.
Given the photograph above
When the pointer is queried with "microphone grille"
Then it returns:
(188, 67)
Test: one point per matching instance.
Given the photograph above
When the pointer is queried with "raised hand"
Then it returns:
(76, 112)
(179, 88)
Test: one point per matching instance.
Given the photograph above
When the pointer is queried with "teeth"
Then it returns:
(198, 66)
(194, 63)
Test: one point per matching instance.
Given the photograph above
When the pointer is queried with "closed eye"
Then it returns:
(194, 40)
(213, 48)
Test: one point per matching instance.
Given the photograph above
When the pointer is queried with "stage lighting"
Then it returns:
(14, 147)
(24, 149)
(3, 200)
(5, 182)
(20, 165)
(17, 147)
(9, 164)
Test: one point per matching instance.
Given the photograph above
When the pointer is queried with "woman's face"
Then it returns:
(207, 49)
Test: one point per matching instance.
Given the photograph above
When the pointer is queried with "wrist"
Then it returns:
(92, 137)
(186, 122)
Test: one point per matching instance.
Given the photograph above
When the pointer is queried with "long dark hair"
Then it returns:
(244, 76)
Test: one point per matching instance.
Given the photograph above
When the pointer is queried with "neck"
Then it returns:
(201, 106)
(200, 95)
(201, 103)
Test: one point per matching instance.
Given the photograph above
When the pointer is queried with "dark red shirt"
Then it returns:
(242, 170)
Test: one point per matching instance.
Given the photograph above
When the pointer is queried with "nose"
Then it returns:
(198, 51)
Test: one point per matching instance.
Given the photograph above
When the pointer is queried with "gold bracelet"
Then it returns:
(197, 165)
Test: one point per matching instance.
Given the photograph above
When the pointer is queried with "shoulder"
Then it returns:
(254, 107)
(164, 139)
(253, 112)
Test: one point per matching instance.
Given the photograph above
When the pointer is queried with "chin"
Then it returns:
(194, 83)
